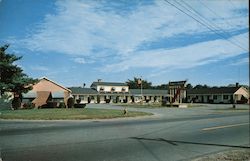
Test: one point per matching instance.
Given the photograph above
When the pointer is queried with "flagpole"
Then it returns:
(141, 92)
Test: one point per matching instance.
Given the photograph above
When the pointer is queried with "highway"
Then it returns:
(157, 138)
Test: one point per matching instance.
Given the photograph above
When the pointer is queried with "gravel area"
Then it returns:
(231, 155)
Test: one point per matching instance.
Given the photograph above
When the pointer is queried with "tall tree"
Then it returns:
(189, 86)
(12, 78)
(199, 86)
(162, 86)
(137, 82)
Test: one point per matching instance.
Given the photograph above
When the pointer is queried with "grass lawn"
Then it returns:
(66, 114)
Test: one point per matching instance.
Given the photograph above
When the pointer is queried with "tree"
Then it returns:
(70, 102)
(199, 86)
(189, 86)
(12, 78)
(136, 83)
(162, 86)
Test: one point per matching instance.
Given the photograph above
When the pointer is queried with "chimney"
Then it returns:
(237, 84)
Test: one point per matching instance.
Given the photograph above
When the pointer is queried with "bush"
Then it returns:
(82, 105)
(28, 105)
(70, 102)
(16, 103)
(61, 105)
(78, 101)
(164, 102)
(52, 104)
(107, 100)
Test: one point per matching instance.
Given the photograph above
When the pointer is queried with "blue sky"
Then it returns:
(79, 41)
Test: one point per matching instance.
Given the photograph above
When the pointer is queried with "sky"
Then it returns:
(79, 41)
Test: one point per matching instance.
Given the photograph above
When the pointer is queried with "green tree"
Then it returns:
(136, 83)
(199, 86)
(162, 86)
(12, 78)
(189, 86)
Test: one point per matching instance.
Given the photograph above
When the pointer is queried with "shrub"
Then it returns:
(164, 102)
(16, 103)
(28, 105)
(61, 105)
(82, 105)
(52, 104)
(107, 100)
(78, 101)
(70, 102)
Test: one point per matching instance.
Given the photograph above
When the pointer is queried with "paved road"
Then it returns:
(169, 136)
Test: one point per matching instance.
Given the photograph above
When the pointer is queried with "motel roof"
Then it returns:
(80, 90)
(214, 90)
(148, 92)
(95, 84)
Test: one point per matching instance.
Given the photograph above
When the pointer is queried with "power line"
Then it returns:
(226, 21)
(207, 22)
(202, 23)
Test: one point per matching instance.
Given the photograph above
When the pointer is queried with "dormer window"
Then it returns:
(112, 89)
(101, 89)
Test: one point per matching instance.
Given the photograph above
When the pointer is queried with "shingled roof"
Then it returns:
(80, 90)
(148, 92)
(95, 84)
(219, 90)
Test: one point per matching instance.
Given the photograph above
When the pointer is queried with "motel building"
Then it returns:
(225, 95)
(47, 93)
(115, 92)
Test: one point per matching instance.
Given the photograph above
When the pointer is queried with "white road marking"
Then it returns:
(225, 126)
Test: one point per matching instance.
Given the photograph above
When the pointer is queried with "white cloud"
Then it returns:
(79, 60)
(184, 57)
(79, 27)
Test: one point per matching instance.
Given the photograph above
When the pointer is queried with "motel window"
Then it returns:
(102, 89)
(225, 97)
(113, 89)
(81, 97)
(215, 97)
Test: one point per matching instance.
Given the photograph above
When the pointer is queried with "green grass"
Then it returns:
(67, 114)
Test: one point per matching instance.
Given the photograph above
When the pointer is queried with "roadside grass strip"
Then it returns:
(67, 114)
